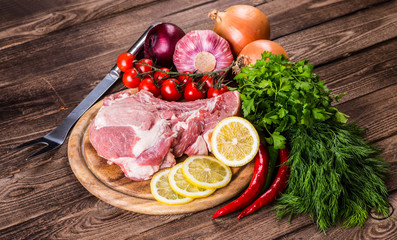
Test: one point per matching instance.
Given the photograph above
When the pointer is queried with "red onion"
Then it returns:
(202, 51)
(160, 43)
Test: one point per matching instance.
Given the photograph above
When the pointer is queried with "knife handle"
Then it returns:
(59, 134)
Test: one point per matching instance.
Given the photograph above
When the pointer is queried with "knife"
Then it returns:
(100, 89)
(56, 137)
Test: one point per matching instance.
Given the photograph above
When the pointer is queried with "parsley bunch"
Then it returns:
(278, 95)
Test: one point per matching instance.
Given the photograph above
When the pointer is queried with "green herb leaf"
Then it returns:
(278, 140)
(274, 89)
(318, 114)
(341, 117)
(248, 106)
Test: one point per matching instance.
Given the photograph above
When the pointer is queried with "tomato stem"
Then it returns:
(218, 75)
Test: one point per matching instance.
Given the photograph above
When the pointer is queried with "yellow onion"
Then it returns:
(240, 25)
(253, 51)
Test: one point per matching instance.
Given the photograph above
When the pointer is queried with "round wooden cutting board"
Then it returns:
(108, 183)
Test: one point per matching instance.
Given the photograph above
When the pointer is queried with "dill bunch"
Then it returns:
(336, 176)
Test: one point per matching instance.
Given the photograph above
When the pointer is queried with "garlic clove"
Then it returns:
(205, 62)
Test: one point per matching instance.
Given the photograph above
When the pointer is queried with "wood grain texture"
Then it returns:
(362, 73)
(372, 229)
(83, 219)
(23, 21)
(38, 190)
(342, 36)
(288, 17)
(375, 111)
(45, 74)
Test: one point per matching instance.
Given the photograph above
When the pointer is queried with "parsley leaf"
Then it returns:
(278, 95)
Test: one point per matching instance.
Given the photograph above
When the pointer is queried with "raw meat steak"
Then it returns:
(142, 133)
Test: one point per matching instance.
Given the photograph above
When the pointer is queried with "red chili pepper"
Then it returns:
(255, 186)
(277, 187)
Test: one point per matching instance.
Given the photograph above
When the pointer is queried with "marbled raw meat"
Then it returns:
(142, 133)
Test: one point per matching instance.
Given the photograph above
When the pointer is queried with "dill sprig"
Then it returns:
(335, 175)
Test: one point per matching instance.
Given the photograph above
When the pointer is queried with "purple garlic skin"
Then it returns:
(202, 51)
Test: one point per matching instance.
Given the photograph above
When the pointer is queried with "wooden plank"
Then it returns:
(82, 219)
(287, 17)
(362, 73)
(32, 192)
(23, 21)
(389, 153)
(342, 36)
(372, 229)
(262, 225)
(375, 111)
(47, 18)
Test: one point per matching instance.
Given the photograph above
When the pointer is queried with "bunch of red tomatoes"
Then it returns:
(142, 76)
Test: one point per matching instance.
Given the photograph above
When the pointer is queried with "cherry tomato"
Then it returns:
(192, 93)
(185, 79)
(130, 79)
(209, 82)
(212, 92)
(124, 61)
(169, 90)
(148, 85)
(144, 68)
(158, 76)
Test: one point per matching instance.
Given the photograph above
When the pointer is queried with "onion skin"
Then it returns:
(240, 25)
(253, 51)
(160, 43)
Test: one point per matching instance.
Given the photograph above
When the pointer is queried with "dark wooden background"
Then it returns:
(53, 53)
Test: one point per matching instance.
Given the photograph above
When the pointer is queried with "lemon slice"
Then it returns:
(235, 141)
(182, 186)
(206, 172)
(162, 191)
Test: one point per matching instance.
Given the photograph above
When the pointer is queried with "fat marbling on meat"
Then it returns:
(143, 134)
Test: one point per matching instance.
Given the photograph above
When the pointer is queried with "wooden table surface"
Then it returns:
(53, 53)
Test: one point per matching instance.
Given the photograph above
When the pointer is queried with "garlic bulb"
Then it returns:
(202, 51)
